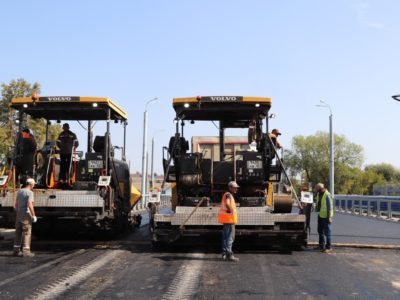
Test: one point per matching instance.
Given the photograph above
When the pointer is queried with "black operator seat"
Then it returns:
(99, 145)
(181, 147)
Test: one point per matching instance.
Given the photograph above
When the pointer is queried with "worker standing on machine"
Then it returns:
(228, 218)
(25, 154)
(66, 142)
(274, 137)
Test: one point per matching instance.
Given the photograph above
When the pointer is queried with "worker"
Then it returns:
(274, 134)
(324, 207)
(306, 206)
(66, 142)
(25, 216)
(26, 149)
(228, 218)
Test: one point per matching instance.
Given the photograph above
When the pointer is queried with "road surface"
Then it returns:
(128, 268)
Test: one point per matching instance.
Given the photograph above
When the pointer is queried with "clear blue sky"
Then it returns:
(345, 52)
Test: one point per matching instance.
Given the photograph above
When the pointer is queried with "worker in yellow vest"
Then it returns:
(228, 218)
(324, 206)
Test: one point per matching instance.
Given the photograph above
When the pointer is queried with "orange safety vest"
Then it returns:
(223, 216)
(26, 135)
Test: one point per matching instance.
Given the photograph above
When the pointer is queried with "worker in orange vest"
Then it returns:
(228, 218)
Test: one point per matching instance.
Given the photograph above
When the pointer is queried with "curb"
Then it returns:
(360, 246)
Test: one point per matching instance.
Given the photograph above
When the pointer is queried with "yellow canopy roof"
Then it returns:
(221, 108)
(69, 108)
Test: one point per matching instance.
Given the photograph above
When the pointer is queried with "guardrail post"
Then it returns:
(369, 208)
(360, 208)
(389, 210)
(378, 208)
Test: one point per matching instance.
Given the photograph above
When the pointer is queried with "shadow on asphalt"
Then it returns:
(138, 241)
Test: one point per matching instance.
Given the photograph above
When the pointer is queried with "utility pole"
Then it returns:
(331, 150)
(144, 153)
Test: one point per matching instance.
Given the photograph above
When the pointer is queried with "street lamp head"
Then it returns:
(155, 99)
(396, 97)
(324, 104)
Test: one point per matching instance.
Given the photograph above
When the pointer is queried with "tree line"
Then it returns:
(9, 119)
(308, 162)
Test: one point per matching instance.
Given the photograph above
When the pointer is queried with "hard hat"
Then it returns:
(30, 181)
(233, 184)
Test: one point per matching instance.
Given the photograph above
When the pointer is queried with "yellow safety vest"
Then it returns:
(323, 211)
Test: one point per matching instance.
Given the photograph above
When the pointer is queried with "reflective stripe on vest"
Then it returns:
(323, 211)
(223, 216)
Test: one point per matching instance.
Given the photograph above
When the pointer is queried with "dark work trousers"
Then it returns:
(228, 237)
(324, 232)
(65, 161)
(25, 166)
(307, 212)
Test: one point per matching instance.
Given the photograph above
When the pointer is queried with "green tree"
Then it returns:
(369, 179)
(309, 160)
(388, 171)
(16, 88)
(8, 117)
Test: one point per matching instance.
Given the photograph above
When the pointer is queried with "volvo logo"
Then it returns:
(224, 98)
(59, 99)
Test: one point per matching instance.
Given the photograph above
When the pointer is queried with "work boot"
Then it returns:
(224, 256)
(29, 254)
(232, 258)
(17, 253)
(327, 250)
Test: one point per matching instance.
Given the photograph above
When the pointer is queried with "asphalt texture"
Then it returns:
(129, 268)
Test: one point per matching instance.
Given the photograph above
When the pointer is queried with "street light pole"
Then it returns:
(152, 164)
(144, 152)
(152, 157)
(331, 150)
(331, 158)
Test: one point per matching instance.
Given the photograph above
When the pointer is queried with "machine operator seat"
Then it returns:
(99, 144)
(181, 147)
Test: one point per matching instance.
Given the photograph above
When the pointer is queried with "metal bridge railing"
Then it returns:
(386, 207)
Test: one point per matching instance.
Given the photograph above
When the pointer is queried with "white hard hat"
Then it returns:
(233, 184)
(30, 181)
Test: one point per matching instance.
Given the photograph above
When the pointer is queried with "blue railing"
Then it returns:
(379, 206)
